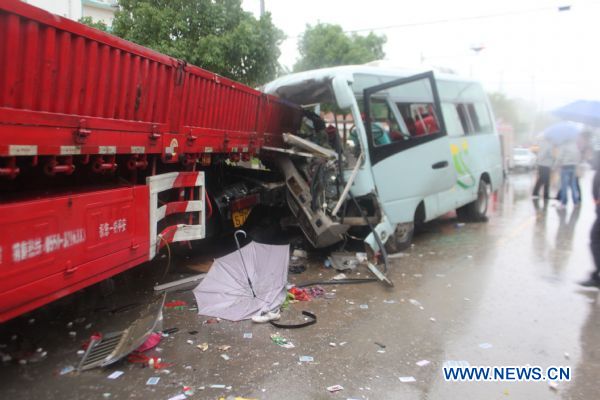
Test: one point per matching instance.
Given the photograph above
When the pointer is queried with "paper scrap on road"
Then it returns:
(335, 388)
(306, 359)
(407, 379)
(422, 363)
(153, 380)
(115, 374)
(485, 345)
(203, 346)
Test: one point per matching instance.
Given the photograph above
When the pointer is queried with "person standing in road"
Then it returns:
(594, 280)
(545, 161)
(568, 158)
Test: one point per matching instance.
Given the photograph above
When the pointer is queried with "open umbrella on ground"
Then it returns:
(583, 111)
(562, 132)
(245, 283)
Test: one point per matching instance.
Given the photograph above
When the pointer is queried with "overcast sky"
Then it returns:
(531, 50)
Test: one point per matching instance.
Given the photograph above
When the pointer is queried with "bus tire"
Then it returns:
(476, 211)
(401, 239)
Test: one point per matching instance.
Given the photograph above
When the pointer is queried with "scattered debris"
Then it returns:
(432, 319)
(416, 303)
(407, 379)
(150, 343)
(219, 386)
(67, 370)
(485, 345)
(343, 261)
(316, 292)
(306, 359)
(380, 345)
(567, 356)
(297, 269)
(211, 321)
(179, 396)
(223, 347)
(389, 301)
(115, 375)
(339, 277)
(381, 351)
(299, 253)
(192, 332)
(188, 390)
(361, 257)
(363, 306)
(203, 346)
(248, 335)
(330, 295)
(335, 388)
(553, 385)
(332, 344)
(300, 294)
(153, 380)
(423, 363)
(459, 224)
(281, 341)
(225, 357)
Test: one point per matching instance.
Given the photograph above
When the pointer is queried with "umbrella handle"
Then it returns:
(236, 239)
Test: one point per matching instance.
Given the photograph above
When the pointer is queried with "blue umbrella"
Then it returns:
(562, 132)
(583, 111)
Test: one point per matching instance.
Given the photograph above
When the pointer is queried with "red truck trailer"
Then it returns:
(106, 152)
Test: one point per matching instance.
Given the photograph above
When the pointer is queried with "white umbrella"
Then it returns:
(244, 283)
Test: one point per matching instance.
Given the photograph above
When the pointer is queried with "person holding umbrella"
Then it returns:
(565, 135)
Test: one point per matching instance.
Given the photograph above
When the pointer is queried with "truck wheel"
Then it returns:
(476, 210)
(401, 238)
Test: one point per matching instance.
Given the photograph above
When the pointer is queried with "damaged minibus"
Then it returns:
(387, 149)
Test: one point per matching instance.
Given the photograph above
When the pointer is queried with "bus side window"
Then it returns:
(480, 117)
(464, 119)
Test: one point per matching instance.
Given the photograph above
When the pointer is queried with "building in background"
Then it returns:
(98, 10)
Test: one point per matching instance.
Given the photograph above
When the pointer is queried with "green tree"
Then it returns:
(213, 34)
(97, 24)
(326, 45)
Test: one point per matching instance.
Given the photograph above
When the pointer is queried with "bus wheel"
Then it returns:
(476, 210)
(401, 239)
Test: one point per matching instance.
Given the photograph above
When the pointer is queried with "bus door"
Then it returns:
(412, 163)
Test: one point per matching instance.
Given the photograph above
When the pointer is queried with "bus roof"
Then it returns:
(291, 86)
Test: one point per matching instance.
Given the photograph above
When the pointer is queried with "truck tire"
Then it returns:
(401, 238)
(476, 210)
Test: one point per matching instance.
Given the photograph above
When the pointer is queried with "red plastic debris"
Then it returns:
(150, 343)
(300, 294)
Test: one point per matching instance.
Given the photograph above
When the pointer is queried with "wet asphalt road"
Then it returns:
(509, 285)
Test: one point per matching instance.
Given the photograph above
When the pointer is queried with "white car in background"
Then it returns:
(524, 159)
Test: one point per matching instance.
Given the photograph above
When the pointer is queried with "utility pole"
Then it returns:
(262, 7)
